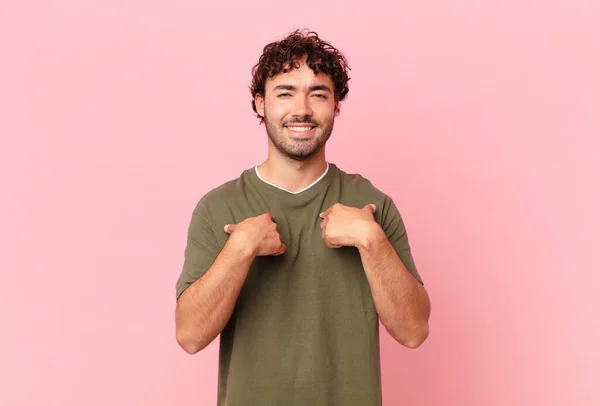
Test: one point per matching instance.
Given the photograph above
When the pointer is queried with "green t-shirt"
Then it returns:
(304, 330)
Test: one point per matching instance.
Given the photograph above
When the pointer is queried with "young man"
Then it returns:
(295, 262)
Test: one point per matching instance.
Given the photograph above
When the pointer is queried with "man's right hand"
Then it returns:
(259, 234)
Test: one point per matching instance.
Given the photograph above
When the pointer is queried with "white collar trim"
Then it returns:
(285, 190)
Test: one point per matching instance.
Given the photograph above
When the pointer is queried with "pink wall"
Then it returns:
(480, 118)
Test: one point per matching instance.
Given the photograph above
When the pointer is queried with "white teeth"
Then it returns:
(300, 129)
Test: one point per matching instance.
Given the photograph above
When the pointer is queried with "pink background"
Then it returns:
(481, 119)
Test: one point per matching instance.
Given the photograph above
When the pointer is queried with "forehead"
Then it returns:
(302, 77)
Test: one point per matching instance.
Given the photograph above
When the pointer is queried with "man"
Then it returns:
(295, 262)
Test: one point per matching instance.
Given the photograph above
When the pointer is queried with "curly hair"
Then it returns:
(282, 56)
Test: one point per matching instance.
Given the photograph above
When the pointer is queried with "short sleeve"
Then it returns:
(201, 249)
(394, 228)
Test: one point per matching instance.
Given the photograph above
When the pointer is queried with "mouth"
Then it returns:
(300, 130)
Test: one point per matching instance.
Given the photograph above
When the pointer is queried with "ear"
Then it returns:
(337, 108)
(259, 100)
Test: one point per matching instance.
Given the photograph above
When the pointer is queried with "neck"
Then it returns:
(291, 174)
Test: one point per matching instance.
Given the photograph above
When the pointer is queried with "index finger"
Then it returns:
(269, 215)
(326, 212)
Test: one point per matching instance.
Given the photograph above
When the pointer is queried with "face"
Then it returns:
(298, 110)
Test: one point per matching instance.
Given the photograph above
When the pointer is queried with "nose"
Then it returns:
(302, 106)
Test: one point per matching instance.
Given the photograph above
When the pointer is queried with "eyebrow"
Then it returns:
(313, 88)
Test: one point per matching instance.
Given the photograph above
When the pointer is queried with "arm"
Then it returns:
(401, 301)
(205, 307)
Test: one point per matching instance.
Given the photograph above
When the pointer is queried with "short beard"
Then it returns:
(297, 154)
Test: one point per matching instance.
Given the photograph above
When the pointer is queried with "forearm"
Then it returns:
(401, 301)
(205, 307)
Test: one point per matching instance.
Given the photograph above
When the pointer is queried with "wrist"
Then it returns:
(242, 246)
(371, 236)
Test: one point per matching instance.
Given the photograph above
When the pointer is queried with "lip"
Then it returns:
(301, 134)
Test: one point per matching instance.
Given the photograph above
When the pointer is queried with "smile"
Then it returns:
(300, 130)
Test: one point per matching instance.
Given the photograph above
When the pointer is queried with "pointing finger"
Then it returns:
(282, 249)
(326, 212)
(370, 207)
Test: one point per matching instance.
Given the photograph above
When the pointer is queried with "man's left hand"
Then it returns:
(345, 226)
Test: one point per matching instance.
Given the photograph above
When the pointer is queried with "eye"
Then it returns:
(320, 95)
(284, 94)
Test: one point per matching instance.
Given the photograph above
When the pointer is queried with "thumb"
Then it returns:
(229, 228)
(370, 207)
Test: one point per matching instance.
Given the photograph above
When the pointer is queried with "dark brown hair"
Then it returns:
(282, 56)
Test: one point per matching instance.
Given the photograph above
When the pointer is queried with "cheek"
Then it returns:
(325, 112)
(276, 109)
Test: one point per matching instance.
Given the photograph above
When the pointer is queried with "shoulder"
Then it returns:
(361, 185)
(358, 191)
(217, 197)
